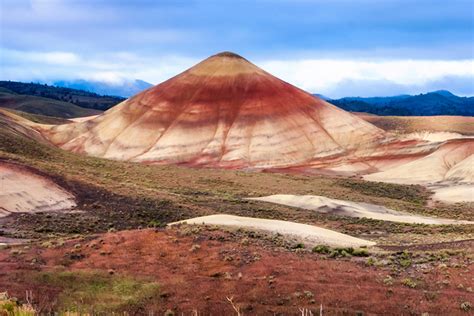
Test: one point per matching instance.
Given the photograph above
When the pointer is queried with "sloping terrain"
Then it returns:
(452, 161)
(326, 205)
(435, 137)
(432, 103)
(42, 119)
(12, 123)
(223, 112)
(80, 98)
(448, 172)
(23, 191)
(227, 113)
(42, 106)
(309, 234)
(74, 261)
(414, 124)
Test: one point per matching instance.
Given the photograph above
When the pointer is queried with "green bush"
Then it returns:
(360, 252)
(299, 246)
(321, 249)
(409, 283)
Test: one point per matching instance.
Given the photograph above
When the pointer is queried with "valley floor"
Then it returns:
(197, 270)
(113, 252)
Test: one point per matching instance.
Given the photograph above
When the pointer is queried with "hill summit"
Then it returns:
(222, 112)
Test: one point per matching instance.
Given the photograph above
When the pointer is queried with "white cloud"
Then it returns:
(333, 77)
(52, 58)
(322, 75)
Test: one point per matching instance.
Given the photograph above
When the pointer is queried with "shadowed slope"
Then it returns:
(223, 112)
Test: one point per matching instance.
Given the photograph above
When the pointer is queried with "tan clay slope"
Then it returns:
(24, 191)
(414, 124)
(326, 205)
(310, 234)
(223, 112)
(17, 125)
(452, 161)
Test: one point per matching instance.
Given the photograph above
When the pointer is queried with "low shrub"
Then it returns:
(321, 249)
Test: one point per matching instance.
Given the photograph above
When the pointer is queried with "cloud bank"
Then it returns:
(337, 48)
(331, 77)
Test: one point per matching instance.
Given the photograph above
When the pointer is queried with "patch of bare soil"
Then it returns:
(22, 190)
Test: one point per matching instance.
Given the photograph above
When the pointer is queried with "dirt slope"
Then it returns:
(310, 234)
(326, 205)
(452, 161)
(21, 190)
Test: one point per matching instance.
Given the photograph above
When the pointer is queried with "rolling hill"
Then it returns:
(42, 106)
(79, 98)
(223, 112)
(433, 103)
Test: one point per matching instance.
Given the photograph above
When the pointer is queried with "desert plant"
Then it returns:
(10, 306)
(321, 249)
(409, 283)
(465, 306)
(360, 252)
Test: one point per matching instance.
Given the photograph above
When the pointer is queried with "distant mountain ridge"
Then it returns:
(439, 102)
(122, 89)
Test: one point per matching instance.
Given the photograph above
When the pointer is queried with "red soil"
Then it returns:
(262, 279)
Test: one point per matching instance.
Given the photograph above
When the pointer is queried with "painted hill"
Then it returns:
(223, 112)
(433, 103)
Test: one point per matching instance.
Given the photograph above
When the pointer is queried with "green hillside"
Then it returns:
(80, 98)
(42, 106)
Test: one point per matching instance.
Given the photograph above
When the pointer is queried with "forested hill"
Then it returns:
(433, 103)
(80, 98)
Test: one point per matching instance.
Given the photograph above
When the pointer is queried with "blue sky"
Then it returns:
(337, 48)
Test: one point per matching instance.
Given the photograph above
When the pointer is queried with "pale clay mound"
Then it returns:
(435, 136)
(326, 205)
(311, 235)
(451, 164)
(454, 193)
(83, 118)
(23, 191)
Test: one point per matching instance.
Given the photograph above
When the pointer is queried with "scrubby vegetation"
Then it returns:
(80, 98)
(411, 193)
(341, 252)
(123, 195)
(11, 306)
(43, 106)
(98, 292)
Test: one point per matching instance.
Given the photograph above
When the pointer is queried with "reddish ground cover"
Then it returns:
(198, 271)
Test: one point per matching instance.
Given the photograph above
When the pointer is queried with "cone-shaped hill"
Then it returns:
(223, 112)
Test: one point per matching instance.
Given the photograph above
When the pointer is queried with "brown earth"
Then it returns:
(198, 269)
(409, 124)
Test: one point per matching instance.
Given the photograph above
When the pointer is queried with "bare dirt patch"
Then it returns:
(23, 191)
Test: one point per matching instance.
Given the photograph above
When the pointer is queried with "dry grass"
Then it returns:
(409, 124)
(125, 195)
